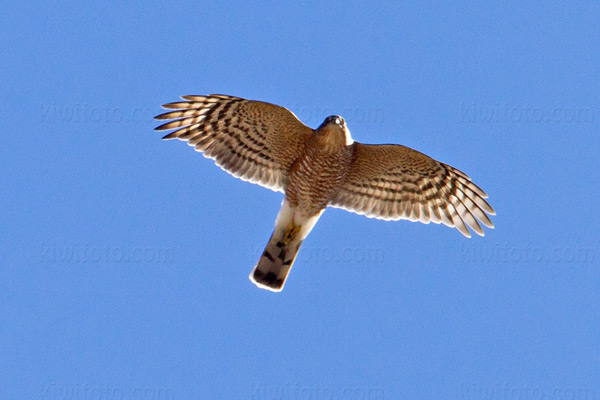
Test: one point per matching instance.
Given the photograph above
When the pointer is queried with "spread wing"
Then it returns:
(395, 182)
(252, 140)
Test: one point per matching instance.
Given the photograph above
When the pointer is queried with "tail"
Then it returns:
(276, 261)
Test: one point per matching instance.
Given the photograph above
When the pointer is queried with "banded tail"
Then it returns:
(275, 264)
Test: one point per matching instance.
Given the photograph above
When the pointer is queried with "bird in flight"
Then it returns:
(268, 145)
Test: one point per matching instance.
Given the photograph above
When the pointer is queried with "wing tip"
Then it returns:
(164, 127)
(466, 233)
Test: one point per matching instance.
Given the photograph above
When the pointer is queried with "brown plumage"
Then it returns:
(266, 144)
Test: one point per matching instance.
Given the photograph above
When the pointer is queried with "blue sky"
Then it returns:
(125, 259)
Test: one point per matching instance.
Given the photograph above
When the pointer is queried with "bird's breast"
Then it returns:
(315, 178)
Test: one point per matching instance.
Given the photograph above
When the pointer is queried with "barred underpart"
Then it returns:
(252, 140)
(393, 182)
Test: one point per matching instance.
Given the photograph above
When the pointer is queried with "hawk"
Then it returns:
(268, 145)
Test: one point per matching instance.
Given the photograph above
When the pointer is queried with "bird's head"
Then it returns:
(334, 131)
